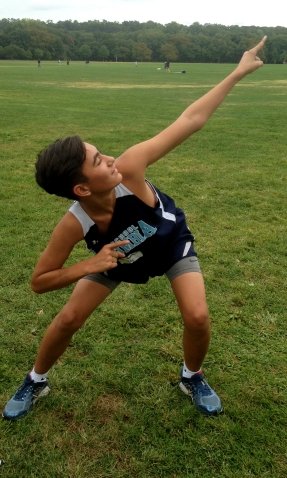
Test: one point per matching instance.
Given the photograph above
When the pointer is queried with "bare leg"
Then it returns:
(189, 291)
(190, 294)
(86, 296)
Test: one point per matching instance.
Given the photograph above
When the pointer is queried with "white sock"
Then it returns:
(38, 377)
(188, 373)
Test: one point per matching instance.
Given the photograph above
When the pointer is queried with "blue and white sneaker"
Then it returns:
(203, 396)
(21, 403)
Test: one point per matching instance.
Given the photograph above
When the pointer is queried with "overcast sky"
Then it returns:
(225, 12)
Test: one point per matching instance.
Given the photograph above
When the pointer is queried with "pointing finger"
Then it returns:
(259, 45)
(116, 244)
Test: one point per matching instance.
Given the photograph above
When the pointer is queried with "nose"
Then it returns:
(110, 160)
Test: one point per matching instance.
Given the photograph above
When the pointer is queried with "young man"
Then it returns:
(135, 230)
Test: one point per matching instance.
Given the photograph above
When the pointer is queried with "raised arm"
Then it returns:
(139, 156)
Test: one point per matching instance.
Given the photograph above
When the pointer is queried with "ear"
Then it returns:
(81, 190)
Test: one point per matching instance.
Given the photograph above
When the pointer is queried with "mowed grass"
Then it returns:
(115, 409)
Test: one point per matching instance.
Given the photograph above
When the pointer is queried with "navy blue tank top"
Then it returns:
(158, 236)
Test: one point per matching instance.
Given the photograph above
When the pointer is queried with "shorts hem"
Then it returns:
(183, 266)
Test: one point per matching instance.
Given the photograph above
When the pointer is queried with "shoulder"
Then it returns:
(142, 190)
(68, 229)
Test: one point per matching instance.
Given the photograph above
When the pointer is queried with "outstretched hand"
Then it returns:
(250, 60)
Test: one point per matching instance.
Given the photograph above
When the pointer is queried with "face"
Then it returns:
(100, 171)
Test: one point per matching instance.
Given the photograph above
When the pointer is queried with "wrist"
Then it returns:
(237, 74)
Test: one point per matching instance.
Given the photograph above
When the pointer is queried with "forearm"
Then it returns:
(192, 119)
(60, 278)
(47, 277)
(199, 112)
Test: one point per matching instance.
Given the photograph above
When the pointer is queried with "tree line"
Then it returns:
(26, 39)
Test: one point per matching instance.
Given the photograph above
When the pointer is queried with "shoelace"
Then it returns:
(198, 384)
(22, 392)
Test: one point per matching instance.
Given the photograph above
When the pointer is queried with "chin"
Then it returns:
(119, 178)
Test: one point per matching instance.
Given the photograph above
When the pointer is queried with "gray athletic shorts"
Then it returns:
(187, 264)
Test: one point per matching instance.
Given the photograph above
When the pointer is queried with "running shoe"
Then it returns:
(25, 397)
(203, 396)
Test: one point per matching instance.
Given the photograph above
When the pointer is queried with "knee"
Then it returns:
(69, 320)
(197, 318)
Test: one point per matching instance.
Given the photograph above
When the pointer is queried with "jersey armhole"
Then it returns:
(83, 218)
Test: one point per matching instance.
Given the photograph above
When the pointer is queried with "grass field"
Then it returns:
(114, 409)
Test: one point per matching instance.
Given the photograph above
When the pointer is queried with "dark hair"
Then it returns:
(59, 166)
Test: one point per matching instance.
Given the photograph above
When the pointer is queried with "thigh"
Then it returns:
(86, 297)
(189, 291)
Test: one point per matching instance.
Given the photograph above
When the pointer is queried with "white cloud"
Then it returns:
(244, 12)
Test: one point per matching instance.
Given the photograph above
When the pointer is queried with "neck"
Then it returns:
(102, 203)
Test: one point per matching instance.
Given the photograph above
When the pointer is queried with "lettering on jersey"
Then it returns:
(136, 235)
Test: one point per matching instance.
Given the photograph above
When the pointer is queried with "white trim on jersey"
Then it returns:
(83, 218)
(167, 215)
(122, 191)
(186, 248)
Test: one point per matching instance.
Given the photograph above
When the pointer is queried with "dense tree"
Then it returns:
(135, 41)
(103, 53)
(169, 51)
(142, 52)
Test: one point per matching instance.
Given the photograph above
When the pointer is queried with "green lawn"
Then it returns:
(115, 409)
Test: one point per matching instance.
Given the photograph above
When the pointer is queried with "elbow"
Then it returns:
(36, 289)
(36, 286)
(199, 122)
(194, 123)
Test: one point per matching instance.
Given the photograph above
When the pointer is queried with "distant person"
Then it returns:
(136, 232)
(167, 65)
(39, 63)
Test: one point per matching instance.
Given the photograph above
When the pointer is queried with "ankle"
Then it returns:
(187, 373)
(38, 377)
